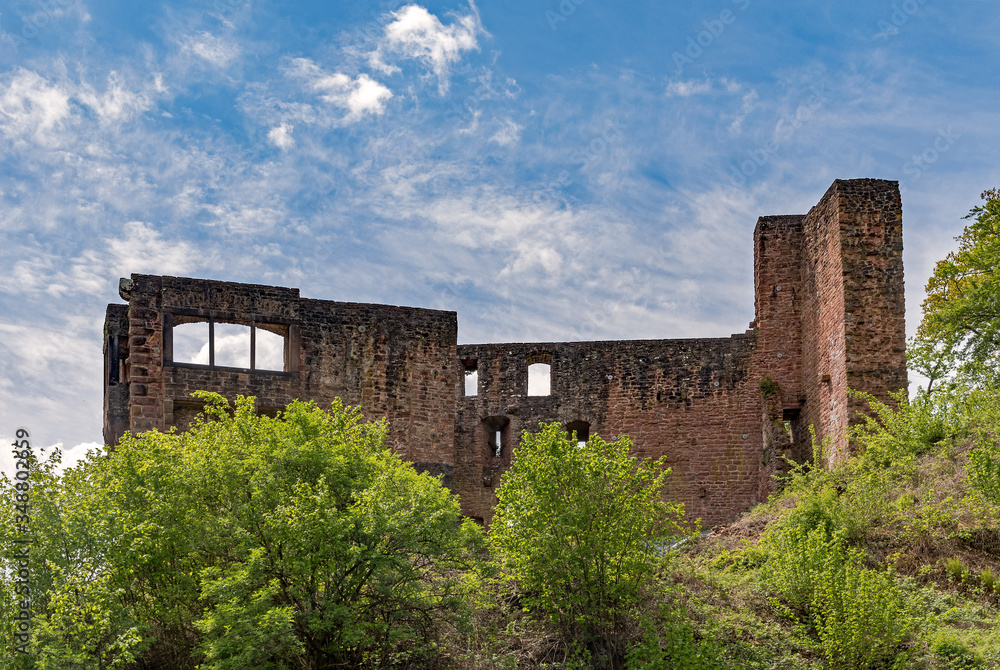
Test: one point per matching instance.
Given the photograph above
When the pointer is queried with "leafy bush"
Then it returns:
(860, 616)
(984, 472)
(954, 653)
(670, 644)
(581, 531)
(249, 541)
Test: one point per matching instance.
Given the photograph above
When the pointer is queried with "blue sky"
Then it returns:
(550, 170)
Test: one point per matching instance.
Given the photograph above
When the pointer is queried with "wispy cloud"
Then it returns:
(685, 89)
(31, 106)
(214, 50)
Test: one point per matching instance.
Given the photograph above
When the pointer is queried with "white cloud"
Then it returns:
(359, 96)
(685, 89)
(508, 134)
(281, 136)
(30, 105)
(214, 50)
(141, 248)
(417, 34)
(117, 103)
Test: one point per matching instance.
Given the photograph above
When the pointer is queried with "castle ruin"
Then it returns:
(829, 316)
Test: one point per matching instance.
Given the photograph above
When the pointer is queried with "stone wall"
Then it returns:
(694, 401)
(392, 362)
(828, 289)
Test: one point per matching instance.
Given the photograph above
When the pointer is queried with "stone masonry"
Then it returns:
(829, 316)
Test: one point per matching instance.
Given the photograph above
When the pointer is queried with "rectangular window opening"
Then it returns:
(205, 341)
(471, 378)
(269, 350)
(191, 343)
(496, 433)
(232, 345)
(539, 379)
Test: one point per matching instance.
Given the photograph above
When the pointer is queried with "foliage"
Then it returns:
(859, 615)
(669, 643)
(249, 541)
(962, 309)
(984, 471)
(768, 387)
(953, 652)
(581, 530)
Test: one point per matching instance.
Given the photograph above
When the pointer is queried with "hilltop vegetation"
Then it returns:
(302, 542)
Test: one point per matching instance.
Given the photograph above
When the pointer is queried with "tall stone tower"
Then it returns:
(830, 308)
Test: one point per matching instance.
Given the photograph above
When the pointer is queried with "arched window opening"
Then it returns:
(540, 373)
(581, 429)
(198, 340)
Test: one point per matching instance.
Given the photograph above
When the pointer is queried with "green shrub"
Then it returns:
(954, 653)
(860, 616)
(956, 570)
(798, 555)
(984, 471)
(581, 531)
(988, 581)
(670, 644)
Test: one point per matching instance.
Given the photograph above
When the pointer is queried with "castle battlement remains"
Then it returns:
(829, 316)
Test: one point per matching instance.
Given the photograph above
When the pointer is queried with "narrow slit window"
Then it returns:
(496, 429)
(232, 345)
(191, 343)
(539, 379)
(471, 378)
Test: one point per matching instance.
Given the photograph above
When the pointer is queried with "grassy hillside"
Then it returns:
(889, 560)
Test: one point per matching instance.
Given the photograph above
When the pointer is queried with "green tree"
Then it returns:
(580, 530)
(961, 323)
(248, 541)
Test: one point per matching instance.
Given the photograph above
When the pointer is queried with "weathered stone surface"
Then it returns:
(829, 315)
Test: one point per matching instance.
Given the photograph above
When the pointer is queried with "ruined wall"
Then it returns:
(393, 362)
(778, 299)
(828, 289)
(693, 401)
